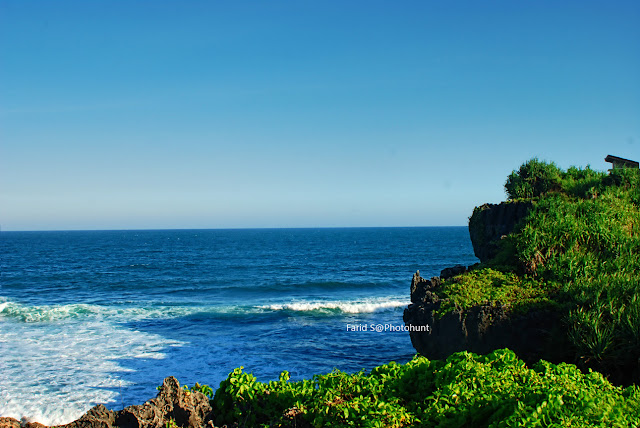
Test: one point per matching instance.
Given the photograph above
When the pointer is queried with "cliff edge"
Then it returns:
(490, 222)
(482, 328)
(557, 278)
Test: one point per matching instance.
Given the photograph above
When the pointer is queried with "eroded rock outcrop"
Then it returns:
(187, 409)
(184, 408)
(9, 423)
(490, 222)
(481, 329)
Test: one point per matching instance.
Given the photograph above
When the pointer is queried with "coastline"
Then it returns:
(173, 403)
(465, 390)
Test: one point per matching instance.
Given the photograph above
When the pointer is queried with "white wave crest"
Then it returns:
(347, 307)
(45, 313)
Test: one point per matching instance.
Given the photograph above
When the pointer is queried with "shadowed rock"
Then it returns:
(452, 271)
(490, 222)
(420, 287)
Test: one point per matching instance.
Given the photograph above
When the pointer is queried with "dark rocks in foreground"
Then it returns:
(184, 408)
(481, 329)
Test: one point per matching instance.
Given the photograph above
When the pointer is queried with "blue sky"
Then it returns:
(188, 114)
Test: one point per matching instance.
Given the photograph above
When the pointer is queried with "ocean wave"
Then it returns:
(52, 313)
(346, 307)
(119, 313)
(44, 313)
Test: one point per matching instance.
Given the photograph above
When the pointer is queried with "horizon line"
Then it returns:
(227, 228)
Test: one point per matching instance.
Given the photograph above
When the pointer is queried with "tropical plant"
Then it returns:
(496, 390)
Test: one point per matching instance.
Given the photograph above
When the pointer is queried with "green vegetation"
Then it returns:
(533, 179)
(577, 249)
(205, 389)
(496, 390)
(519, 293)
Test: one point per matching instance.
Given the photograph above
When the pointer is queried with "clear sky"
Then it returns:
(217, 114)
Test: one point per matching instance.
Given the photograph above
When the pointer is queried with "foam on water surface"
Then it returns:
(55, 313)
(347, 307)
(55, 371)
(117, 313)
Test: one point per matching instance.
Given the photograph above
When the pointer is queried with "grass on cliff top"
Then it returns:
(578, 247)
(491, 286)
(496, 390)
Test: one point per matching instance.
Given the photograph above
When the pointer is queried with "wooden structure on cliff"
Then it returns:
(621, 162)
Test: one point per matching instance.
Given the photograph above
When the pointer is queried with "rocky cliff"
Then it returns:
(481, 329)
(490, 222)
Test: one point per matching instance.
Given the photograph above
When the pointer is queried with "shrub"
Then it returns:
(533, 179)
(582, 183)
(496, 390)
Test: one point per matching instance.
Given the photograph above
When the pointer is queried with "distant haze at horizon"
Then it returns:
(226, 228)
(200, 115)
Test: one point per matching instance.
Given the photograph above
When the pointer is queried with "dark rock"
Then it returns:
(484, 328)
(24, 422)
(535, 334)
(420, 287)
(33, 425)
(450, 272)
(142, 416)
(490, 222)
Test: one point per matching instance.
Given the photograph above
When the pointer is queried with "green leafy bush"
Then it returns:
(496, 390)
(533, 179)
(205, 389)
(334, 399)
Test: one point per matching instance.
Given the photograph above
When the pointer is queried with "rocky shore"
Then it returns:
(172, 407)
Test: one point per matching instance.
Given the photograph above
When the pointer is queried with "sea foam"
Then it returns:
(347, 307)
(65, 360)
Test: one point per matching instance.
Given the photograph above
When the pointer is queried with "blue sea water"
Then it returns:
(103, 316)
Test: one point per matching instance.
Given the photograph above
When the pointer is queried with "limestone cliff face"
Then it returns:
(481, 329)
(490, 222)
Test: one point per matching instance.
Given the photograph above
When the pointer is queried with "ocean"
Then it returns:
(89, 317)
